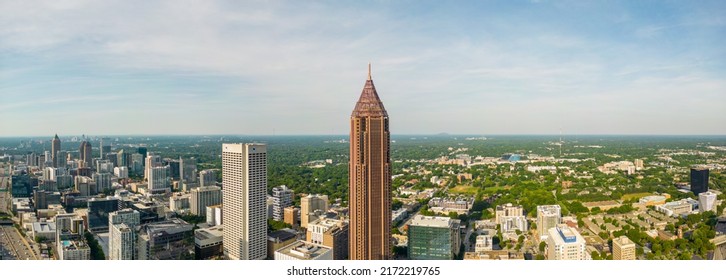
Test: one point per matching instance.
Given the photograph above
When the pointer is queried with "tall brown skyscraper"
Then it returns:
(369, 178)
(85, 153)
(55, 149)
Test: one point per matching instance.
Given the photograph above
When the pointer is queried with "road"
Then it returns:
(15, 243)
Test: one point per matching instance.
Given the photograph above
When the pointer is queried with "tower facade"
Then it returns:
(55, 149)
(85, 153)
(244, 177)
(699, 180)
(369, 178)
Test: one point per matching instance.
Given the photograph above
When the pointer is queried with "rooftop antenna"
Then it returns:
(369, 71)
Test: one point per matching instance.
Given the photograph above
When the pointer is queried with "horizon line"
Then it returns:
(402, 134)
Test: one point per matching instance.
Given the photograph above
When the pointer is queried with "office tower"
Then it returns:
(85, 185)
(103, 181)
(244, 175)
(292, 216)
(121, 172)
(208, 242)
(104, 147)
(55, 149)
(203, 197)
(104, 165)
(158, 179)
(707, 201)
(330, 233)
(21, 185)
(99, 210)
(623, 248)
(188, 170)
(84, 152)
(165, 240)
(174, 167)
(122, 158)
(142, 151)
(370, 177)
(309, 205)
(137, 164)
(207, 177)
(548, 216)
(565, 243)
(699, 180)
(214, 215)
(281, 198)
(122, 235)
(151, 161)
(433, 238)
(40, 199)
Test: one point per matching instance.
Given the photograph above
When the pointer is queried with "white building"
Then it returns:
(202, 197)
(483, 243)
(707, 201)
(565, 243)
(103, 181)
(301, 250)
(548, 216)
(214, 215)
(281, 198)
(122, 234)
(158, 179)
(244, 175)
(513, 223)
(508, 210)
(150, 162)
(121, 172)
(207, 177)
(179, 203)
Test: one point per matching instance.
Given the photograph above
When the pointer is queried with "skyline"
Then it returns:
(635, 68)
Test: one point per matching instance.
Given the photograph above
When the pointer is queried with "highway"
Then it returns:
(13, 243)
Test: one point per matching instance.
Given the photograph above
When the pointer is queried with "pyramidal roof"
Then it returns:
(369, 104)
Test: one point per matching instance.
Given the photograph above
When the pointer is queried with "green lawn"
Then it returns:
(635, 195)
(462, 189)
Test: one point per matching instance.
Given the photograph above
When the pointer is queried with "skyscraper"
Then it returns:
(55, 149)
(203, 197)
(122, 236)
(369, 177)
(433, 238)
(159, 180)
(281, 197)
(244, 177)
(85, 153)
(699, 180)
(548, 216)
(104, 147)
(309, 204)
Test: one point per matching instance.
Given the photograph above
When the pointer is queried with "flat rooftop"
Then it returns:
(427, 221)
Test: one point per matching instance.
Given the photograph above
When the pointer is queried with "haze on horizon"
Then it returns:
(297, 68)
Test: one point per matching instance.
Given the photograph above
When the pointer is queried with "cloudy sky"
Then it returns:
(227, 67)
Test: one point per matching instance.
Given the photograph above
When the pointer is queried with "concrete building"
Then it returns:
(281, 198)
(677, 208)
(214, 215)
(707, 201)
(433, 238)
(208, 242)
(623, 248)
(202, 197)
(69, 238)
(207, 177)
(292, 216)
(85, 153)
(278, 239)
(103, 181)
(301, 250)
(507, 210)
(99, 210)
(166, 240)
(122, 234)
(244, 175)
(370, 178)
(158, 180)
(43, 230)
(309, 204)
(483, 243)
(330, 233)
(513, 223)
(180, 203)
(565, 243)
(150, 162)
(548, 216)
(85, 186)
(122, 172)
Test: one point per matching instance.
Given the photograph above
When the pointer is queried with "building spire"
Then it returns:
(369, 71)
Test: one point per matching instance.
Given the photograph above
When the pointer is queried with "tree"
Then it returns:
(539, 257)
(542, 246)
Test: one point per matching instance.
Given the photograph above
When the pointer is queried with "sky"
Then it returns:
(298, 67)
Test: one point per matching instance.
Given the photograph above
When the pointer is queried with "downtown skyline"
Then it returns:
(493, 68)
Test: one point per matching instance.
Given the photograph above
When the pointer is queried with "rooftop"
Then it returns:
(427, 221)
(304, 250)
(282, 235)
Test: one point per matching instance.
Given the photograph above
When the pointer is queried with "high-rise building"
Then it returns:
(370, 177)
(55, 149)
(99, 210)
(707, 201)
(188, 170)
(84, 152)
(203, 197)
(122, 158)
(699, 180)
(623, 248)
(142, 151)
(309, 205)
(207, 177)
(548, 216)
(292, 216)
(565, 243)
(103, 181)
(150, 162)
(507, 210)
(244, 176)
(85, 185)
(121, 172)
(104, 147)
(281, 198)
(122, 234)
(158, 179)
(433, 238)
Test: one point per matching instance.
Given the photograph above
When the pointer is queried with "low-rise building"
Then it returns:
(278, 239)
(208, 242)
(302, 250)
(433, 238)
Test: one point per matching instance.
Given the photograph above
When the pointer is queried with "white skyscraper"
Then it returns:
(122, 236)
(706, 201)
(281, 198)
(565, 243)
(244, 178)
(159, 179)
(151, 161)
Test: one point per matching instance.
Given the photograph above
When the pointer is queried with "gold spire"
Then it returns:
(369, 71)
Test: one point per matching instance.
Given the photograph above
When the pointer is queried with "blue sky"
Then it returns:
(480, 67)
